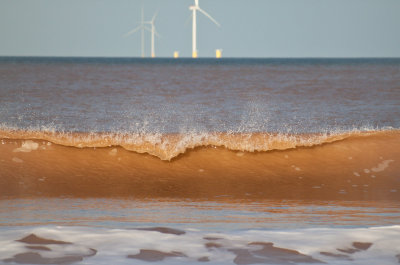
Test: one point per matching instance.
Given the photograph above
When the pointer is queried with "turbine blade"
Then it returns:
(147, 28)
(196, 2)
(154, 17)
(188, 19)
(157, 34)
(210, 17)
(133, 31)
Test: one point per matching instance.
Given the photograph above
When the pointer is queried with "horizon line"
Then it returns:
(188, 57)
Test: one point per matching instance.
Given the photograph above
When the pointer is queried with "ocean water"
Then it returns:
(168, 96)
(231, 161)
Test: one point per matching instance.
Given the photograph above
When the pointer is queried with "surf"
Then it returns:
(163, 245)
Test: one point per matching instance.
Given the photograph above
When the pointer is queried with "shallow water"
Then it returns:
(221, 214)
(222, 231)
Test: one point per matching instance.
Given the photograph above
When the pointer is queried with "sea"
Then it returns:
(199, 161)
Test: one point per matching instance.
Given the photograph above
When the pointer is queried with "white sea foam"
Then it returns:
(27, 146)
(382, 166)
(114, 245)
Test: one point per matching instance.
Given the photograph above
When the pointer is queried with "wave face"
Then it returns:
(351, 165)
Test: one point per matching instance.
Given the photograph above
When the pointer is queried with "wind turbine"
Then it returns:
(140, 27)
(153, 32)
(194, 9)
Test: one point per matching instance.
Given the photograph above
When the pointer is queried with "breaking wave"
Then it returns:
(360, 165)
(170, 146)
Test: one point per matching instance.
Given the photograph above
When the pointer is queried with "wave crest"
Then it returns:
(169, 146)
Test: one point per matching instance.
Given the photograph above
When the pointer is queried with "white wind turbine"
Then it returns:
(194, 9)
(142, 27)
(153, 33)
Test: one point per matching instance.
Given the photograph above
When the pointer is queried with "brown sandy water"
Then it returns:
(361, 166)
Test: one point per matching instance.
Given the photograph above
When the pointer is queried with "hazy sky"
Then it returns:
(252, 28)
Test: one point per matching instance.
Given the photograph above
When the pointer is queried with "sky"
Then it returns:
(249, 28)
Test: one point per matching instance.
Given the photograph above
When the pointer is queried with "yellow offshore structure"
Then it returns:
(218, 53)
(176, 54)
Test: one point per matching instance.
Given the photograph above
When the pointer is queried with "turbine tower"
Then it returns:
(194, 9)
(153, 33)
(140, 27)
